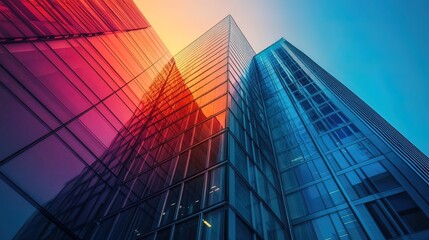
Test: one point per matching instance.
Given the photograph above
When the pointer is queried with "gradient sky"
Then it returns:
(379, 49)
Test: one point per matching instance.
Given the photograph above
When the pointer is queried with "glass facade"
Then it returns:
(105, 135)
(342, 176)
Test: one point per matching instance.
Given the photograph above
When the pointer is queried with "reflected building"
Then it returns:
(105, 135)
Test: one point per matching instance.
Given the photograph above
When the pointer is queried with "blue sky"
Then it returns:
(379, 49)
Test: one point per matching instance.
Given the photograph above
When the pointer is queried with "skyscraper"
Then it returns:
(105, 135)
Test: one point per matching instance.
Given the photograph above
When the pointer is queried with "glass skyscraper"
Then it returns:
(105, 135)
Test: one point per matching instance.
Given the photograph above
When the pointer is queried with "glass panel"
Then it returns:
(18, 126)
(380, 177)
(148, 213)
(45, 169)
(304, 231)
(213, 225)
(191, 197)
(324, 228)
(296, 205)
(179, 173)
(217, 149)
(216, 187)
(357, 185)
(242, 231)
(313, 199)
(409, 212)
(186, 230)
(198, 158)
(353, 227)
(170, 206)
(163, 234)
(12, 204)
(303, 174)
(242, 198)
(289, 180)
(380, 218)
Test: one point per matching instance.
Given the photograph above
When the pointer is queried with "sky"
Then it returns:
(378, 49)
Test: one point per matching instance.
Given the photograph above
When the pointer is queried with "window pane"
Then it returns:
(18, 127)
(213, 225)
(296, 205)
(170, 205)
(216, 187)
(12, 204)
(191, 197)
(198, 158)
(217, 149)
(303, 174)
(163, 234)
(380, 177)
(409, 212)
(242, 231)
(186, 230)
(148, 213)
(380, 218)
(313, 199)
(304, 231)
(242, 198)
(324, 228)
(45, 169)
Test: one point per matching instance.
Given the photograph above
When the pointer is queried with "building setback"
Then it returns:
(105, 135)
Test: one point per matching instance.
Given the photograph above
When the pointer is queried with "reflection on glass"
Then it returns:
(186, 230)
(191, 196)
(171, 205)
(214, 225)
(216, 186)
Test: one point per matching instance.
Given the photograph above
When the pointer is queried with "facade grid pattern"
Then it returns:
(105, 135)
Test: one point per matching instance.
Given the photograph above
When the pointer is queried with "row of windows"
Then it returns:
(346, 148)
(368, 180)
(61, 18)
(178, 202)
(185, 165)
(314, 198)
(403, 147)
(263, 217)
(396, 215)
(117, 107)
(337, 225)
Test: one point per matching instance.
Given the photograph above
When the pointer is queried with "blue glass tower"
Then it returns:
(345, 172)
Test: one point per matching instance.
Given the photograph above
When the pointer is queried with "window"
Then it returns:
(380, 218)
(216, 188)
(186, 230)
(213, 225)
(198, 158)
(217, 149)
(324, 228)
(296, 206)
(313, 199)
(170, 206)
(191, 197)
(242, 231)
(242, 198)
(410, 213)
(289, 180)
(304, 231)
(354, 185)
(179, 173)
(148, 213)
(303, 174)
(163, 234)
(380, 177)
